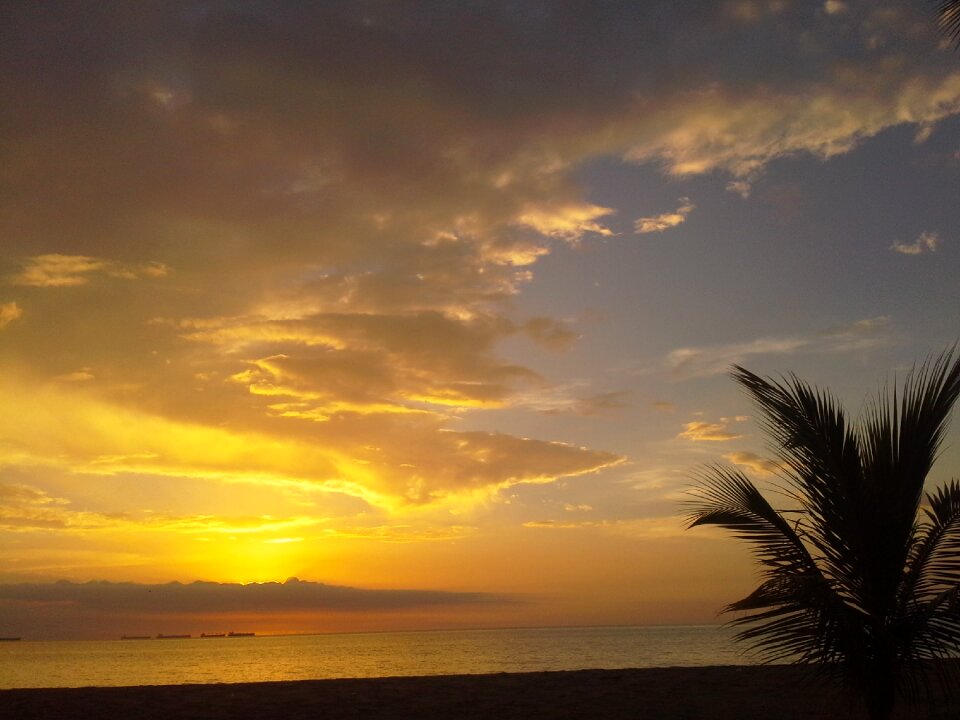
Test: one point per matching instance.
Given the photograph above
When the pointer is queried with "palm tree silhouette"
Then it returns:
(854, 578)
(948, 18)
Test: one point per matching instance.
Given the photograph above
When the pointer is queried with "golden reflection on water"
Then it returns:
(257, 659)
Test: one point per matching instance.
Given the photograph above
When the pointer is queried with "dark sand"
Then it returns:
(718, 693)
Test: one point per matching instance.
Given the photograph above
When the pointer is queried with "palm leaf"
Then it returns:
(948, 19)
(778, 619)
(727, 498)
(814, 441)
(934, 562)
(900, 441)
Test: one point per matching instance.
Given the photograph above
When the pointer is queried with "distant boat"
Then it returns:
(244, 634)
(206, 635)
(135, 637)
(161, 636)
(14, 639)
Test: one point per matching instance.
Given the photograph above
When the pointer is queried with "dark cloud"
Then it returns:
(97, 610)
(209, 598)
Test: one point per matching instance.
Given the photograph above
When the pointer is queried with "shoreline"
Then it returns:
(735, 692)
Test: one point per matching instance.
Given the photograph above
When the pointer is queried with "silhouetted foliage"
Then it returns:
(854, 577)
(948, 18)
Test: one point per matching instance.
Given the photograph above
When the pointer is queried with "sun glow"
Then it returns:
(83, 434)
(245, 560)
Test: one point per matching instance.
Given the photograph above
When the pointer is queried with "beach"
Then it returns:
(719, 693)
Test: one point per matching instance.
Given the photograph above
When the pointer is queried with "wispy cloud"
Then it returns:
(835, 7)
(81, 375)
(741, 187)
(927, 242)
(568, 222)
(639, 528)
(8, 313)
(601, 404)
(569, 399)
(700, 431)
(664, 221)
(757, 463)
(26, 509)
(56, 270)
(720, 130)
(716, 359)
(550, 333)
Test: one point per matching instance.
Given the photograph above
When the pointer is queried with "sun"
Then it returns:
(245, 560)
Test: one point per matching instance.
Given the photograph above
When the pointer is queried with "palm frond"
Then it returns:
(900, 440)
(948, 19)
(813, 439)
(795, 617)
(932, 629)
(727, 498)
(934, 562)
(927, 633)
(795, 602)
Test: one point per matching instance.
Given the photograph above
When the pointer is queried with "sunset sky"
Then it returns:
(430, 304)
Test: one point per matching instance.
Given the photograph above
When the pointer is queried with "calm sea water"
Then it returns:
(229, 660)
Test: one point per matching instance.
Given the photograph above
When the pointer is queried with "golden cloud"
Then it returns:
(835, 7)
(700, 431)
(760, 465)
(26, 509)
(385, 362)
(927, 242)
(8, 313)
(719, 130)
(568, 222)
(665, 221)
(412, 463)
(55, 270)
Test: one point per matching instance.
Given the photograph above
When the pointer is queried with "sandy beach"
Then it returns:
(719, 693)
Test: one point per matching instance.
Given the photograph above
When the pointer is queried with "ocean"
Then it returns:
(307, 657)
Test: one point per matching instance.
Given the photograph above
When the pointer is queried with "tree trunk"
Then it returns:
(881, 692)
(880, 704)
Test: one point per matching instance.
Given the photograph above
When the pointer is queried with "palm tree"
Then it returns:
(854, 579)
(948, 18)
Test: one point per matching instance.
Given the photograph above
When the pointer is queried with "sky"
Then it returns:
(373, 315)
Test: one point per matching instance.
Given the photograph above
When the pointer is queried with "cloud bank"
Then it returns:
(100, 609)
(211, 598)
